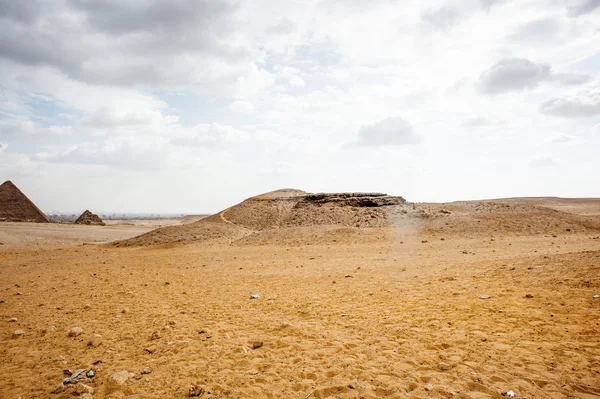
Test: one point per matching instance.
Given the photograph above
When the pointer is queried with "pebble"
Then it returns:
(87, 306)
(75, 331)
(49, 329)
(596, 297)
(444, 366)
(195, 391)
(125, 310)
(428, 387)
(529, 296)
(155, 335)
(2, 300)
(254, 296)
(484, 297)
(95, 340)
(19, 293)
(18, 333)
(13, 320)
(120, 377)
(146, 370)
(256, 343)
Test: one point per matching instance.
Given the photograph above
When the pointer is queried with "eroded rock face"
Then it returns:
(90, 218)
(369, 200)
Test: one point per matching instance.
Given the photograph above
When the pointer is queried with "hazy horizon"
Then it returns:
(193, 106)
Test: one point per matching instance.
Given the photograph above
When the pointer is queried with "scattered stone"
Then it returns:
(423, 241)
(75, 331)
(13, 320)
(444, 366)
(195, 391)
(150, 350)
(18, 333)
(596, 297)
(19, 293)
(2, 300)
(172, 322)
(95, 340)
(146, 370)
(78, 376)
(87, 306)
(509, 394)
(348, 276)
(125, 310)
(428, 387)
(120, 377)
(48, 329)
(254, 296)
(484, 297)
(155, 335)
(256, 344)
(529, 296)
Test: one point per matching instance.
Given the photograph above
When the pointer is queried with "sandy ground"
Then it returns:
(398, 317)
(43, 235)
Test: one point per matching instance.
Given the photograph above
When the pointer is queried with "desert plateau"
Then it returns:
(296, 295)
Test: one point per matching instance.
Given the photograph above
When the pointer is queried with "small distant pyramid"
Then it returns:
(90, 218)
(16, 207)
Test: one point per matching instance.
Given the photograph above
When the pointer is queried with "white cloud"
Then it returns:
(513, 74)
(30, 128)
(582, 105)
(390, 131)
(296, 81)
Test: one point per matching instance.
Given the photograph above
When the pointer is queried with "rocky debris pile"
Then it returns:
(90, 218)
(16, 207)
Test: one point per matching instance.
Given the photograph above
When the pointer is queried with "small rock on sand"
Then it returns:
(2, 300)
(195, 391)
(444, 366)
(120, 377)
(13, 320)
(146, 370)
(529, 296)
(18, 333)
(428, 387)
(75, 331)
(254, 296)
(95, 340)
(49, 329)
(484, 297)
(155, 335)
(257, 343)
(596, 297)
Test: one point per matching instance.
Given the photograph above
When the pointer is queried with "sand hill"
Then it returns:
(16, 207)
(294, 217)
(90, 218)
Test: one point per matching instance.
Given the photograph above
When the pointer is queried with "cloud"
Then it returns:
(212, 135)
(30, 128)
(3, 146)
(442, 18)
(475, 122)
(154, 44)
(583, 105)
(543, 162)
(390, 131)
(296, 81)
(520, 74)
(582, 7)
(513, 74)
(539, 31)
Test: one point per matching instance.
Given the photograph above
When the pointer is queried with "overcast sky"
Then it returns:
(190, 106)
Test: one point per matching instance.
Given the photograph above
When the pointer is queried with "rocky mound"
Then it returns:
(16, 207)
(286, 209)
(90, 218)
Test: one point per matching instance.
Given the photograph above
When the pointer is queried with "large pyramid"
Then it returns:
(16, 207)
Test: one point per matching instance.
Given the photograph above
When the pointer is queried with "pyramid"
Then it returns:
(16, 207)
(90, 218)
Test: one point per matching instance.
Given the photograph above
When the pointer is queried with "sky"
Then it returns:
(190, 106)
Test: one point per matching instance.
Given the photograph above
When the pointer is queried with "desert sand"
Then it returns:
(276, 298)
